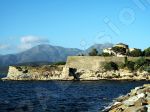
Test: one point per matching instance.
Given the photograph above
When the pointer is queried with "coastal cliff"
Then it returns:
(138, 100)
(78, 68)
(46, 72)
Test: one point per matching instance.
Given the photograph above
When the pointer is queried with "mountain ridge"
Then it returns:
(46, 53)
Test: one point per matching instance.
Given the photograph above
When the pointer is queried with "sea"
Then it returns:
(61, 96)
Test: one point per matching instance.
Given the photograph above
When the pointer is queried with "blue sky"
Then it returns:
(73, 23)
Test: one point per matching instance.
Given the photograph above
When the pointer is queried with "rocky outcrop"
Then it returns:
(47, 72)
(85, 74)
(77, 68)
(138, 100)
(61, 72)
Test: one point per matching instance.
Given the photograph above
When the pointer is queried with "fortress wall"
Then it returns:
(94, 62)
(90, 62)
(135, 58)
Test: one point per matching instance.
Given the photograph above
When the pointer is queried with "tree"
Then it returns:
(106, 54)
(110, 66)
(147, 68)
(94, 52)
(147, 52)
(119, 50)
(140, 62)
(81, 54)
(136, 53)
(130, 65)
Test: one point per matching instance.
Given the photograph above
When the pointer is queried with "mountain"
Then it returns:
(99, 47)
(45, 54)
(40, 53)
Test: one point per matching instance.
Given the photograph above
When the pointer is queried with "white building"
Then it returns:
(121, 45)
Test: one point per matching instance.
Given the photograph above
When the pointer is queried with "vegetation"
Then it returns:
(120, 50)
(136, 53)
(110, 66)
(94, 52)
(147, 52)
(147, 68)
(130, 65)
(142, 64)
(59, 63)
(80, 54)
(106, 54)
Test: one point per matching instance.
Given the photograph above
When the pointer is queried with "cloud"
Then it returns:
(4, 47)
(33, 39)
(24, 47)
(25, 43)
(28, 42)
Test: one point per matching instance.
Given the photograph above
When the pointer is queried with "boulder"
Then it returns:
(138, 100)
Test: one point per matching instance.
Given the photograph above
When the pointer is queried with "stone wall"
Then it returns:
(94, 62)
(91, 62)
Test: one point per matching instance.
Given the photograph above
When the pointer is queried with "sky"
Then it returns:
(73, 23)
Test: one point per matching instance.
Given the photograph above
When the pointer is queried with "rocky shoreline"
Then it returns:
(45, 72)
(138, 100)
(85, 68)
(62, 72)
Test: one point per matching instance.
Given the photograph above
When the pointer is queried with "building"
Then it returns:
(122, 45)
(108, 50)
(118, 54)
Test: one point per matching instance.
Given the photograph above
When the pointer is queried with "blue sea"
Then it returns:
(61, 96)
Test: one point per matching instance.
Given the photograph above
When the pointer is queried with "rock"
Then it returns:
(146, 85)
(46, 72)
(122, 98)
(132, 100)
(148, 108)
(136, 109)
(138, 100)
(118, 109)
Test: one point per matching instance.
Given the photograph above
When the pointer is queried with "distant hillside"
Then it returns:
(40, 53)
(45, 54)
(99, 47)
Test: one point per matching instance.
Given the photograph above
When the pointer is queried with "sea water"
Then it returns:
(61, 96)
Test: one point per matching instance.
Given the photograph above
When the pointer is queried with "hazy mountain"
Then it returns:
(99, 47)
(40, 53)
(46, 53)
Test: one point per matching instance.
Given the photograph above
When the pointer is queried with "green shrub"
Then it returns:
(106, 54)
(59, 63)
(120, 50)
(110, 66)
(94, 52)
(125, 60)
(140, 62)
(122, 65)
(130, 65)
(136, 53)
(147, 68)
(147, 52)
(80, 54)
